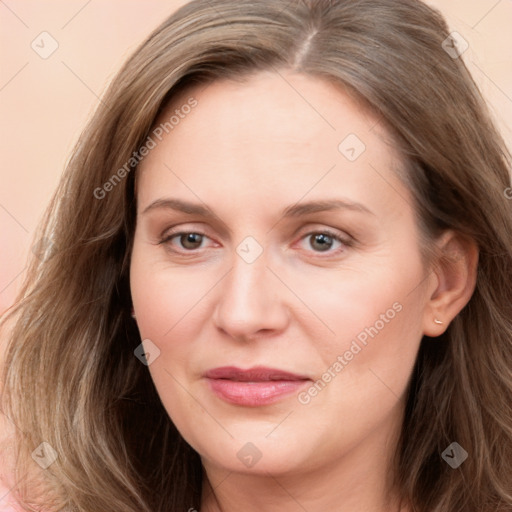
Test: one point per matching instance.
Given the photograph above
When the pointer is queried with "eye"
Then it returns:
(187, 240)
(325, 240)
(322, 241)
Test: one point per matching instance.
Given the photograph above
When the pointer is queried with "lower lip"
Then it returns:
(254, 394)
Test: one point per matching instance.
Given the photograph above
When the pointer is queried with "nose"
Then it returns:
(251, 301)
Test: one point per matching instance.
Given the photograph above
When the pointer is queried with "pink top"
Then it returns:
(7, 503)
(7, 507)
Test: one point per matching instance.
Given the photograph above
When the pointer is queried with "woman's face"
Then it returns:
(276, 275)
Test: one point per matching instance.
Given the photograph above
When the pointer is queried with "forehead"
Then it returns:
(281, 106)
(271, 132)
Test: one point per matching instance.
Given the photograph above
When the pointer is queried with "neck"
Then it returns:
(358, 481)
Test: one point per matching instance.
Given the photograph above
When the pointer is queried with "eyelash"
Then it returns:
(345, 241)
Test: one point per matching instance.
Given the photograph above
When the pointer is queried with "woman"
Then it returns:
(184, 344)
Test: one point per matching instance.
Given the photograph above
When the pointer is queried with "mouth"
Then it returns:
(255, 386)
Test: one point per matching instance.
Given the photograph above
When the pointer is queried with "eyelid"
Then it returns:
(181, 228)
(341, 235)
(170, 233)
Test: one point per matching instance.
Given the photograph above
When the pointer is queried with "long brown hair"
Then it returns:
(71, 379)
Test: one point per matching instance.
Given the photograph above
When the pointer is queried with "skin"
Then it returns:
(248, 151)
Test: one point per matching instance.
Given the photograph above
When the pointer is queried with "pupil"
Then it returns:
(325, 241)
(192, 239)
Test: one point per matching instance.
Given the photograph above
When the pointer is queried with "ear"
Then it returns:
(453, 281)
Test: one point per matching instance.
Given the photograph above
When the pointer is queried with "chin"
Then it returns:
(251, 452)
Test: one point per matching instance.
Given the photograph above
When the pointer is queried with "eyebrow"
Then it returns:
(294, 210)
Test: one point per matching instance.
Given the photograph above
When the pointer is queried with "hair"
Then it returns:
(70, 377)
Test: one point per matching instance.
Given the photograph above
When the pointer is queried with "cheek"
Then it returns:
(356, 304)
(164, 296)
(374, 328)
(364, 369)
(168, 302)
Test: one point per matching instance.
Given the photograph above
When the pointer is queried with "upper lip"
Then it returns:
(254, 374)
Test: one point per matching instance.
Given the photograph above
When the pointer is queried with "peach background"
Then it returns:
(44, 103)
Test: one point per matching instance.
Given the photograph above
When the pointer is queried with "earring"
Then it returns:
(438, 321)
(133, 313)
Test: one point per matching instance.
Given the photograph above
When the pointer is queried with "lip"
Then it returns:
(255, 386)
